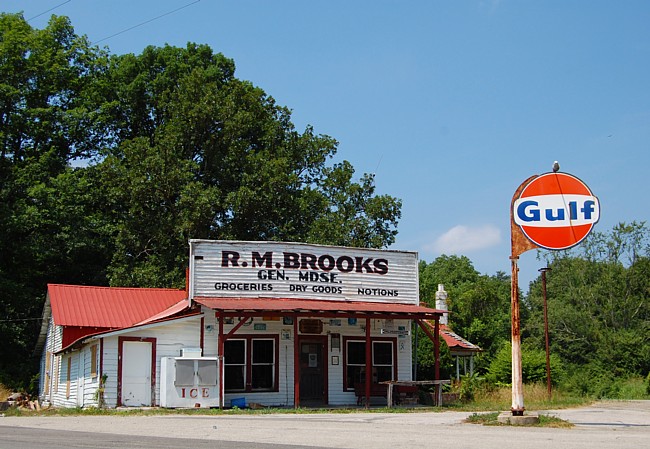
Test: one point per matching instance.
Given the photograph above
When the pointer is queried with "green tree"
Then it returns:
(197, 153)
(47, 120)
(533, 365)
(598, 305)
(479, 305)
(109, 164)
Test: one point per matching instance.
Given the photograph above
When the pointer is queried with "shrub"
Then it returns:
(533, 366)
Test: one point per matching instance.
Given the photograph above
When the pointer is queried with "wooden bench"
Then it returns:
(406, 394)
(376, 390)
(407, 388)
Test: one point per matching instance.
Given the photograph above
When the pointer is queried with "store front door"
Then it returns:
(313, 371)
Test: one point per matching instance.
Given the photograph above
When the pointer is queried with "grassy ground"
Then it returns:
(535, 398)
(490, 419)
(486, 402)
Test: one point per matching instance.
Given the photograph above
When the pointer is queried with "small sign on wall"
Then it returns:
(311, 326)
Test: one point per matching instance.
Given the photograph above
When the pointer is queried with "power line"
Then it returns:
(51, 9)
(145, 22)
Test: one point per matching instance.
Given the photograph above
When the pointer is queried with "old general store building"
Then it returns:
(269, 323)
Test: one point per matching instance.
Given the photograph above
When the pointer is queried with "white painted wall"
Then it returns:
(171, 337)
(285, 395)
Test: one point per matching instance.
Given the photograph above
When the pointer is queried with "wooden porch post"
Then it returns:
(220, 358)
(436, 349)
(368, 363)
(435, 338)
(296, 364)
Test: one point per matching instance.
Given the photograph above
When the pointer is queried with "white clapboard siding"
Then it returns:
(170, 339)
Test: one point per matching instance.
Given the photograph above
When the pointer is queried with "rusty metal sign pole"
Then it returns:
(519, 244)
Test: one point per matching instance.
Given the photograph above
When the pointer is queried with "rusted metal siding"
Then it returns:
(296, 270)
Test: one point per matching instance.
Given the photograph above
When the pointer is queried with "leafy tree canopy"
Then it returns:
(110, 163)
(598, 298)
(479, 305)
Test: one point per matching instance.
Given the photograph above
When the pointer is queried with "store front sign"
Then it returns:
(295, 270)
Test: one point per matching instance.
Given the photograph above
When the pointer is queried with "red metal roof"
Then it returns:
(173, 310)
(454, 341)
(287, 305)
(110, 307)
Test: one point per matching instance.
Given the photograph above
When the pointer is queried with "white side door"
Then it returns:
(81, 372)
(136, 373)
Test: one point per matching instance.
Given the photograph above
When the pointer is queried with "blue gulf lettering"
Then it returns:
(573, 210)
(558, 217)
(528, 215)
(588, 209)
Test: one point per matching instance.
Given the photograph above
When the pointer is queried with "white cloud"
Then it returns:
(463, 239)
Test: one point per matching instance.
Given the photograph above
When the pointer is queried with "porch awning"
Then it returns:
(238, 307)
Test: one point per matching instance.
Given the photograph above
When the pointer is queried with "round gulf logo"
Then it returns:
(556, 210)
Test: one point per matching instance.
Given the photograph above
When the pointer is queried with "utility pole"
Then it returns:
(548, 357)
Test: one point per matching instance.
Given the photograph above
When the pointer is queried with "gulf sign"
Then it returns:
(556, 211)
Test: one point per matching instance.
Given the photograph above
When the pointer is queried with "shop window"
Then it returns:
(234, 365)
(250, 364)
(57, 365)
(382, 360)
(382, 357)
(263, 364)
(48, 367)
(93, 361)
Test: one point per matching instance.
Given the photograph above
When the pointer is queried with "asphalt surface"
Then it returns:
(610, 424)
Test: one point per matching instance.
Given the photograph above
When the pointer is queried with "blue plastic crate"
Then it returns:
(238, 402)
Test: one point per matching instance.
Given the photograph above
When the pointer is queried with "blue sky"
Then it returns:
(451, 103)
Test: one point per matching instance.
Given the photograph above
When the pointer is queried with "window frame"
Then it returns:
(94, 362)
(373, 340)
(248, 363)
(68, 377)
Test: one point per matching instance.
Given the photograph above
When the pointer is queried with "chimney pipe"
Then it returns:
(441, 303)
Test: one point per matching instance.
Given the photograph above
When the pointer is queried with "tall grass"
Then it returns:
(535, 398)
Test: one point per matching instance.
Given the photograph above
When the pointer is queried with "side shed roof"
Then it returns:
(456, 343)
(109, 307)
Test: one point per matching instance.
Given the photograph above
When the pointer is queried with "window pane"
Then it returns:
(262, 377)
(93, 361)
(354, 375)
(235, 352)
(356, 353)
(233, 378)
(382, 353)
(263, 351)
(383, 373)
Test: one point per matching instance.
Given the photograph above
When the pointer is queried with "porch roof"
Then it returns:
(305, 307)
(457, 344)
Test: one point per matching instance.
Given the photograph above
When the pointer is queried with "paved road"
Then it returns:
(606, 425)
